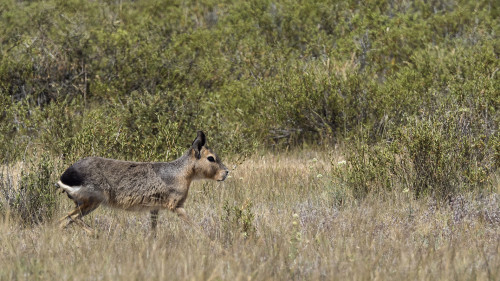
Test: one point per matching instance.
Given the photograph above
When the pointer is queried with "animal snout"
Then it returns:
(224, 174)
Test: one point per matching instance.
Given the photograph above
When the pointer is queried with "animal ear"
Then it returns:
(198, 143)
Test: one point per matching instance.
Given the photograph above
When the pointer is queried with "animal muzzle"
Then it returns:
(223, 175)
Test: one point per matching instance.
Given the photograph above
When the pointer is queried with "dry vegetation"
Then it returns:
(280, 216)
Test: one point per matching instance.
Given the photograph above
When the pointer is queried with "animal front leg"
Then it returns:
(154, 219)
(181, 212)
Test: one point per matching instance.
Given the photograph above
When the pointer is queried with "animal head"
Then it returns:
(207, 164)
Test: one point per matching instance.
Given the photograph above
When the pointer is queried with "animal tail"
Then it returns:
(58, 186)
(69, 190)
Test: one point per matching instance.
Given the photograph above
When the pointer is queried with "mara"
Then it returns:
(149, 186)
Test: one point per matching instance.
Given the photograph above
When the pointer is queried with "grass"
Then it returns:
(280, 217)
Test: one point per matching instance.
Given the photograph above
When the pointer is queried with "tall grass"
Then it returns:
(280, 216)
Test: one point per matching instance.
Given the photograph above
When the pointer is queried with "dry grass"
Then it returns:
(278, 217)
(14, 173)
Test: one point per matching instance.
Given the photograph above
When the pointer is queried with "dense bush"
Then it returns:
(416, 83)
(429, 156)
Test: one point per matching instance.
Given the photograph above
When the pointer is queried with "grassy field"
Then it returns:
(278, 217)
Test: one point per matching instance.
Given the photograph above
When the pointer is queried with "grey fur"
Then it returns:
(128, 185)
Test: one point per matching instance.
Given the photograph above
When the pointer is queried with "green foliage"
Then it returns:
(445, 158)
(437, 156)
(368, 169)
(296, 237)
(238, 220)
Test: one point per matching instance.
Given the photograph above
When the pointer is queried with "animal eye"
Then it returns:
(211, 159)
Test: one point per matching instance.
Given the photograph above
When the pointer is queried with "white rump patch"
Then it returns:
(70, 190)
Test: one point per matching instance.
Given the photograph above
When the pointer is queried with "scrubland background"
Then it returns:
(362, 136)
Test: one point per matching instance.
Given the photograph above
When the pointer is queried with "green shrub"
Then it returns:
(238, 220)
(446, 160)
(368, 169)
(430, 156)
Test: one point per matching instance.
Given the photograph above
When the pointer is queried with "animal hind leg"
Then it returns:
(87, 210)
(78, 220)
(80, 211)
(77, 210)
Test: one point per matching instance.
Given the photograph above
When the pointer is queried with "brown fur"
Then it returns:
(150, 186)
